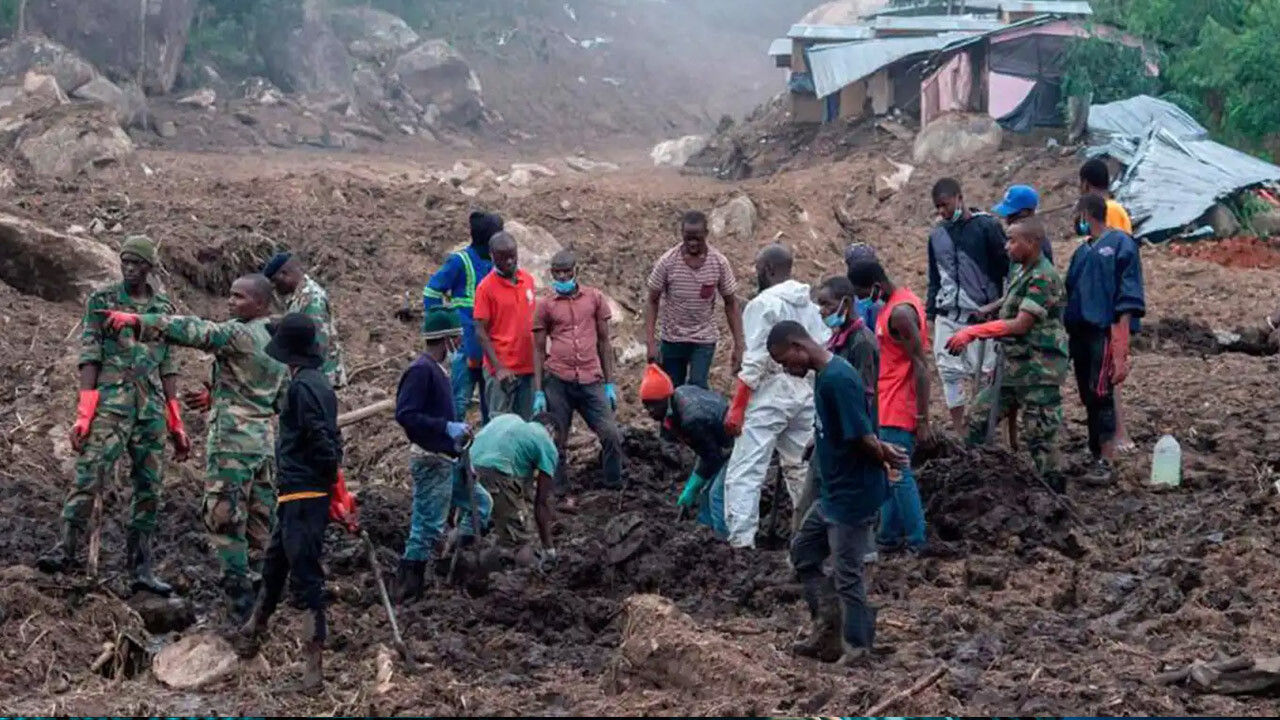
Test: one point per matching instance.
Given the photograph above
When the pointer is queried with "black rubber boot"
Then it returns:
(249, 640)
(62, 556)
(240, 598)
(824, 641)
(140, 573)
(312, 653)
(410, 579)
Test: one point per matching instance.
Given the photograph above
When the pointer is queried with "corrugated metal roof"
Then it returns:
(835, 66)
(781, 46)
(1044, 7)
(935, 22)
(965, 40)
(1170, 182)
(1132, 117)
(830, 32)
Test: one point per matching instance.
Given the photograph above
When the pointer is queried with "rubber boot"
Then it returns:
(62, 556)
(240, 598)
(312, 653)
(824, 640)
(409, 580)
(249, 640)
(140, 573)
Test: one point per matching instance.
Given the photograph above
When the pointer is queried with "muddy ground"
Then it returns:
(1047, 606)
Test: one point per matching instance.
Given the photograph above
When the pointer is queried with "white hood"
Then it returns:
(787, 300)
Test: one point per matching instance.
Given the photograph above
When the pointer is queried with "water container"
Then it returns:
(1166, 463)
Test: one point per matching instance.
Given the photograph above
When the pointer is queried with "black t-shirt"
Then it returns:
(851, 487)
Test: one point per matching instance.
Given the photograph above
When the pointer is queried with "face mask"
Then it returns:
(1082, 227)
(564, 287)
(449, 357)
(835, 319)
(955, 216)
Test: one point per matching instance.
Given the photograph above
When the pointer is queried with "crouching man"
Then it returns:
(508, 455)
(852, 484)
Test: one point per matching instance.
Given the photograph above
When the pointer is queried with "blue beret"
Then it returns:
(276, 262)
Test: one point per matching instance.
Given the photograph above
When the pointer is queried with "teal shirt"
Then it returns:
(513, 447)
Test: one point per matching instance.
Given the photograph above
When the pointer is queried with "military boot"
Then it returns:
(410, 579)
(240, 598)
(824, 640)
(62, 556)
(140, 574)
(249, 640)
(312, 653)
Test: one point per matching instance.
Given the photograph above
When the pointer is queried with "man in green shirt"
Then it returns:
(506, 454)
(1035, 351)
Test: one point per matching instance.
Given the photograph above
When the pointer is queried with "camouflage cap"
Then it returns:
(141, 247)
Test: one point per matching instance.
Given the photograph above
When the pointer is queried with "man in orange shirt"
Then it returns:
(1095, 179)
(504, 327)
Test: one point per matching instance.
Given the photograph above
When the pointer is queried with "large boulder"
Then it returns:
(68, 140)
(18, 56)
(40, 261)
(435, 74)
(307, 59)
(371, 34)
(735, 218)
(537, 247)
(105, 32)
(108, 93)
(675, 153)
(956, 137)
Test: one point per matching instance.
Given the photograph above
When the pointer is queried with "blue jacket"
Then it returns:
(457, 279)
(1104, 281)
(424, 406)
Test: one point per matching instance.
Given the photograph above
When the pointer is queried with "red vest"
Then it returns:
(897, 386)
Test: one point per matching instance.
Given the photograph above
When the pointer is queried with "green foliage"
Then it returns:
(227, 32)
(1107, 71)
(8, 16)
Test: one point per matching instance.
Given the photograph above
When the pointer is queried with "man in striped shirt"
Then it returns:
(682, 291)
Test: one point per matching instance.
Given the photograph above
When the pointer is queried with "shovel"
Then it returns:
(401, 647)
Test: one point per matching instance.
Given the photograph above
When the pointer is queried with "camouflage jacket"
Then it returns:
(1040, 356)
(129, 370)
(248, 386)
(311, 300)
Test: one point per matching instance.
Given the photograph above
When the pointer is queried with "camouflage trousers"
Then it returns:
(513, 520)
(110, 435)
(1041, 410)
(239, 508)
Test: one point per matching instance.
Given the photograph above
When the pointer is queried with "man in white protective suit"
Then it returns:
(770, 408)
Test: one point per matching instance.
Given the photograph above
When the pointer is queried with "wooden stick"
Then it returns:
(916, 689)
(1176, 676)
(108, 651)
(368, 411)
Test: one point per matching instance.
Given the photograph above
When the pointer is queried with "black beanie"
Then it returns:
(484, 226)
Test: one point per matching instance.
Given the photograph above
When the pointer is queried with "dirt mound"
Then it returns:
(1236, 252)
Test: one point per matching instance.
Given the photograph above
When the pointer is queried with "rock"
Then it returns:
(194, 662)
(308, 59)
(956, 137)
(583, 165)
(735, 218)
(166, 129)
(108, 93)
(1223, 221)
(33, 52)
(986, 572)
(1266, 223)
(66, 141)
(888, 185)
(203, 98)
(260, 91)
(364, 131)
(162, 615)
(43, 86)
(675, 153)
(537, 247)
(370, 92)
(534, 169)
(462, 171)
(309, 130)
(199, 75)
(518, 178)
(136, 103)
(7, 179)
(435, 73)
(105, 32)
(330, 102)
(897, 130)
(37, 260)
(371, 34)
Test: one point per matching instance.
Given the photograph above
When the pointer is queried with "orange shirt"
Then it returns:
(897, 386)
(1118, 217)
(508, 307)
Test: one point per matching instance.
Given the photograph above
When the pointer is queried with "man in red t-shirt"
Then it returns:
(504, 327)
(903, 398)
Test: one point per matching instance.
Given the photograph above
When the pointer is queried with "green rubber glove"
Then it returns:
(692, 489)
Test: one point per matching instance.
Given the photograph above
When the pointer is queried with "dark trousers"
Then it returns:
(1089, 347)
(820, 538)
(294, 555)
(564, 399)
(688, 362)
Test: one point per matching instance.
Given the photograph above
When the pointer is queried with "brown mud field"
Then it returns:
(1043, 605)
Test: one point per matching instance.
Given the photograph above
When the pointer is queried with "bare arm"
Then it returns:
(486, 344)
(904, 324)
(604, 346)
(543, 511)
(651, 322)
(539, 357)
(733, 313)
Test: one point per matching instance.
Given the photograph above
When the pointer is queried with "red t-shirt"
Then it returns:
(897, 385)
(508, 309)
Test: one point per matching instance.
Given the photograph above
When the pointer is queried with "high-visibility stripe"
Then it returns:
(430, 292)
(303, 495)
(471, 272)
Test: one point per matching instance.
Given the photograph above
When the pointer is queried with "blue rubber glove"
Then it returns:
(456, 430)
(611, 394)
(539, 402)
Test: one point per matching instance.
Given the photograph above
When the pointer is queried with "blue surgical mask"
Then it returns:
(959, 213)
(1082, 227)
(833, 320)
(564, 287)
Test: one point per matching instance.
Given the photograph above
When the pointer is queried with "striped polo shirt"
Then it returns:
(689, 295)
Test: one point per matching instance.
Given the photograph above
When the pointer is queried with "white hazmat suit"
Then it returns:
(780, 413)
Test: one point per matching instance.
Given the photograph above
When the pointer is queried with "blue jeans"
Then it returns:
(688, 362)
(711, 506)
(439, 484)
(465, 381)
(902, 515)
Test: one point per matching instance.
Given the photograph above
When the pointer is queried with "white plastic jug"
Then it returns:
(1166, 462)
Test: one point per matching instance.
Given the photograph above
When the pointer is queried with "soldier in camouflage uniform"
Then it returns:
(1035, 351)
(126, 400)
(248, 387)
(303, 295)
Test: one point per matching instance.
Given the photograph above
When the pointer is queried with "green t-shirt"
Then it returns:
(1040, 356)
(513, 447)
